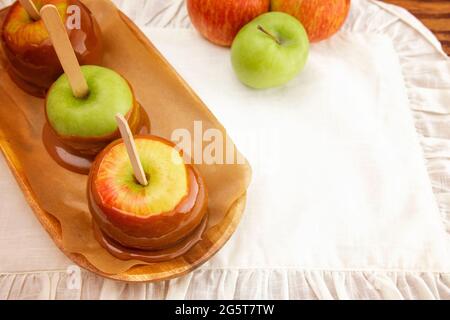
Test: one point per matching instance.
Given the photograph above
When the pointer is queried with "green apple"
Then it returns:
(270, 50)
(94, 115)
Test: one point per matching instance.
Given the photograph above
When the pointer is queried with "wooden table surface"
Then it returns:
(435, 14)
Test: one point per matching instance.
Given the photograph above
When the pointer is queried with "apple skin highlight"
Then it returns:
(220, 20)
(321, 18)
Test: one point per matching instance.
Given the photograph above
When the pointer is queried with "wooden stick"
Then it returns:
(29, 6)
(128, 139)
(64, 50)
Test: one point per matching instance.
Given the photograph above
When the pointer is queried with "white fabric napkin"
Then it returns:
(341, 204)
(339, 180)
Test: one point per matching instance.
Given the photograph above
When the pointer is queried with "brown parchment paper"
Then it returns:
(170, 104)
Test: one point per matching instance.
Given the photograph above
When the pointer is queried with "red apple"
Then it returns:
(220, 20)
(321, 18)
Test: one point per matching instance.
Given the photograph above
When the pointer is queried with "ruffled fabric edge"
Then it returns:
(239, 284)
(426, 73)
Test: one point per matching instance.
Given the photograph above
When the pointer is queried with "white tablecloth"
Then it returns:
(351, 190)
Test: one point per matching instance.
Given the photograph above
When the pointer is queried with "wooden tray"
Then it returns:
(213, 239)
(216, 234)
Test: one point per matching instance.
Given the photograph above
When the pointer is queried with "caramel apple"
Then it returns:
(79, 128)
(81, 106)
(33, 63)
(154, 222)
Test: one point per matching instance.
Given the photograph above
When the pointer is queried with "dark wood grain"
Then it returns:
(435, 14)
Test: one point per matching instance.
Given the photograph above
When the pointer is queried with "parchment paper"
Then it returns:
(170, 104)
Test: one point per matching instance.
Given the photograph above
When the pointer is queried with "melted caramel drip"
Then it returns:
(151, 256)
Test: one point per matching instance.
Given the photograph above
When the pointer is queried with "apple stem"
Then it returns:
(30, 8)
(260, 28)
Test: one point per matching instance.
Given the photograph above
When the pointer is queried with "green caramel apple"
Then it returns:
(93, 115)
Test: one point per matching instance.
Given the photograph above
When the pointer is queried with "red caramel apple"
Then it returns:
(152, 222)
(33, 63)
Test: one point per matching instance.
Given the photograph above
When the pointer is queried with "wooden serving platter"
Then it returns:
(213, 240)
(57, 196)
